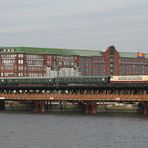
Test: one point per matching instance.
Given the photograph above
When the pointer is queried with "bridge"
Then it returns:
(87, 95)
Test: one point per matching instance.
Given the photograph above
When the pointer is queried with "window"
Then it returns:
(20, 74)
(34, 62)
(111, 59)
(20, 61)
(9, 68)
(20, 55)
(111, 65)
(20, 67)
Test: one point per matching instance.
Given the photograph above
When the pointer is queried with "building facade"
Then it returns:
(50, 62)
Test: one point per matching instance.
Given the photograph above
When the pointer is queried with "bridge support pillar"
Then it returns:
(40, 106)
(91, 107)
(60, 105)
(2, 105)
(145, 108)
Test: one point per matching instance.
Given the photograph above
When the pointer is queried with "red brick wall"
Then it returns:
(108, 62)
(116, 63)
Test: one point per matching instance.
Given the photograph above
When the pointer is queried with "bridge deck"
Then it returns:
(83, 97)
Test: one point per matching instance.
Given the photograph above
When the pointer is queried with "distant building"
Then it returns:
(50, 62)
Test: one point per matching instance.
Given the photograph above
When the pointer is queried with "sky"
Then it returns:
(75, 24)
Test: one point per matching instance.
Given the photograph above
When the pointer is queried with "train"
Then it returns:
(45, 81)
(72, 81)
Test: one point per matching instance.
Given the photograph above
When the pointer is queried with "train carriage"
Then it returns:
(82, 80)
(129, 79)
(45, 81)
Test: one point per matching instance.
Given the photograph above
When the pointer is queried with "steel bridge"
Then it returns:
(89, 95)
(138, 97)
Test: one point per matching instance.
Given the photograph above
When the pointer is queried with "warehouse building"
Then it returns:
(52, 62)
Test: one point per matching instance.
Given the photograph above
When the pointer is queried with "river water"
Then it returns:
(60, 130)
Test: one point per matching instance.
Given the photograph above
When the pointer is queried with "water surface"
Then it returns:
(73, 130)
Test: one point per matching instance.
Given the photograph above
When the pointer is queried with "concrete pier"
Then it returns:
(40, 106)
(91, 107)
(145, 108)
(2, 105)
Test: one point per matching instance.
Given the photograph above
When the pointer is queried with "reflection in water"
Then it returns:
(73, 130)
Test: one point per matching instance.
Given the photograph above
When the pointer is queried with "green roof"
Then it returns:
(87, 52)
(55, 51)
(130, 54)
(34, 50)
(66, 52)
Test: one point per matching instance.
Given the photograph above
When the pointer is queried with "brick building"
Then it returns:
(52, 62)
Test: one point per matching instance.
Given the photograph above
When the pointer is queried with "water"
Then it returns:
(73, 130)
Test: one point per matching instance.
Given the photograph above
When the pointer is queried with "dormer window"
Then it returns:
(8, 50)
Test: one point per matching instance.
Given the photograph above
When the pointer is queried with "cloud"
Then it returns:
(22, 29)
(75, 21)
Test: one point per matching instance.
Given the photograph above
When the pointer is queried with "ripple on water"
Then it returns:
(73, 131)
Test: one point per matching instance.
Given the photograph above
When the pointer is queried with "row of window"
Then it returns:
(35, 62)
(130, 72)
(34, 56)
(35, 75)
(8, 68)
(131, 66)
(85, 64)
(8, 74)
(95, 65)
(93, 74)
(8, 61)
(8, 50)
(11, 61)
(21, 62)
(97, 59)
(69, 58)
(35, 68)
(85, 59)
(64, 63)
(11, 55)
(37, 56)
(92, 70)
(8, 55)
(133, 60)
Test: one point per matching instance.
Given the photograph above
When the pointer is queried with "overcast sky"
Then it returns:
(80, 24)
